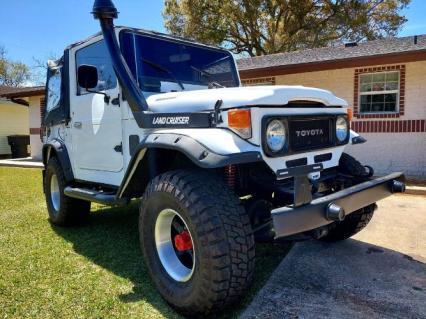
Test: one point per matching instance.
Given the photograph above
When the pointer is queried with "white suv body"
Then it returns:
(137, 114)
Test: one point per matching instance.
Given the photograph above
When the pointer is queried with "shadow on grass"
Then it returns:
(110, 240)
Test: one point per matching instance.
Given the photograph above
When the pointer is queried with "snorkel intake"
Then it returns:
(105, 12)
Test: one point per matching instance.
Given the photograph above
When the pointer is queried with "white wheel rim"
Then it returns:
(54, 192)
(171, 259)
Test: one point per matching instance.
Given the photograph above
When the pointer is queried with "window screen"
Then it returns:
(379, 92)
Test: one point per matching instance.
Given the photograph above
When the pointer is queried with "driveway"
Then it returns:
(379, 273)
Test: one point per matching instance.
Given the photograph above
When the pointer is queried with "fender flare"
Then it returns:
(62, 154)
(198, 153)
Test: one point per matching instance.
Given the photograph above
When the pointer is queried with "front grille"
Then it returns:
(304, 133)
(309, 134)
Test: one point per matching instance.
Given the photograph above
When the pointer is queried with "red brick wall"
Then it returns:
(377, 123)
(385, 126)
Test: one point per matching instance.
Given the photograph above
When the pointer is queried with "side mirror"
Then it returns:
(88, 79)
(87, 76)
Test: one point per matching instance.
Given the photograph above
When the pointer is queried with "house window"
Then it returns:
(379, 92)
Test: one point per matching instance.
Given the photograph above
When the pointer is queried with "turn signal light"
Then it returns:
(350, 112)
(240, 122)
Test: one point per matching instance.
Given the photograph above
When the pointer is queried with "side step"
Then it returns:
(95, 196)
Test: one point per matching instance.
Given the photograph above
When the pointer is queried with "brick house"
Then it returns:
(383, 80)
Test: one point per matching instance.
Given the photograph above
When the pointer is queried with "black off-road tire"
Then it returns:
(351, 225)
(350, 166)
(222, 237)
(70, 211)
(355, 222)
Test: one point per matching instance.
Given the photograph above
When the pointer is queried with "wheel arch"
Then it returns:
(58, 149)
(159, 153)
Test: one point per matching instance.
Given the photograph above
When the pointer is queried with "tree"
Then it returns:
(258, 27)
(12, 73)
(39, 68)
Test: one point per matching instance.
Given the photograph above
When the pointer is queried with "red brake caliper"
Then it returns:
(183, 241)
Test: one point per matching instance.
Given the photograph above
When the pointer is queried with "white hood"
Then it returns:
(203, 100)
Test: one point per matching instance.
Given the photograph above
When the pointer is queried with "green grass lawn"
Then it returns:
(91, 271)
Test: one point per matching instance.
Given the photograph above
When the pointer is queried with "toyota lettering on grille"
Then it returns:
(313, 132)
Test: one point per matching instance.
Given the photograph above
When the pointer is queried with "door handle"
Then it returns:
(78, 124)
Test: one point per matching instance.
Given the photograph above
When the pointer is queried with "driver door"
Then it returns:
(96, 124)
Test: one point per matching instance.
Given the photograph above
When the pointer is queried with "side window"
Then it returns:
(54, 89)
(97, 55)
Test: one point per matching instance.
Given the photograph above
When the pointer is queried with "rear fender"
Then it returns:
(57, 148)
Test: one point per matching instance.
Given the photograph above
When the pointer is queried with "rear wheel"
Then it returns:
(197, 241)
(356, 221)
(62, 210)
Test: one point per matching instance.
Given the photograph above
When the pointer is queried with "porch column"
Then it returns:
(35, 124)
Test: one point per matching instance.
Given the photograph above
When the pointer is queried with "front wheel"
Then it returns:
(197, 241)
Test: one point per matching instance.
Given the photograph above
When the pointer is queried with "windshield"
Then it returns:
(162, 65)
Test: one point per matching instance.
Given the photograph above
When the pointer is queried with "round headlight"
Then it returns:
(275, 136)
(342, 130)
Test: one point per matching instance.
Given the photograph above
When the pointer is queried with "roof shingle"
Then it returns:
(380, 47)
(16, 92)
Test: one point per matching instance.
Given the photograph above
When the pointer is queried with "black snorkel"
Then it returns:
(105, 12)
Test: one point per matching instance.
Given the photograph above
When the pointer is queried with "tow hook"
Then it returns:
(334, 212)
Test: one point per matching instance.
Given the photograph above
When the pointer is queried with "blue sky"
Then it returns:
(38, 28)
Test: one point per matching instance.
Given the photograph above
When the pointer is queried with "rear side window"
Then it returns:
(54, 88)
(97, 55)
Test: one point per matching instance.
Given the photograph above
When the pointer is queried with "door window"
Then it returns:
(97, 55)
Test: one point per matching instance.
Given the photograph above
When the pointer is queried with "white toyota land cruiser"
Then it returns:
(137, 114)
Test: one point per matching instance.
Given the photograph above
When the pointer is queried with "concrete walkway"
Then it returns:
(26, 162)
(380, 273)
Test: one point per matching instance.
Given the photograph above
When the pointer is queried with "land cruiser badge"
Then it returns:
(170, 120)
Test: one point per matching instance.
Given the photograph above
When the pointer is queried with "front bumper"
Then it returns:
(334, 207)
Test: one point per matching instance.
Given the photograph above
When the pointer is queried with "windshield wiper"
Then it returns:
(216, 85)
(212, 84)
(163, 69)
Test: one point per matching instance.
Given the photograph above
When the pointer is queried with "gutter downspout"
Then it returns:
(105, 12)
